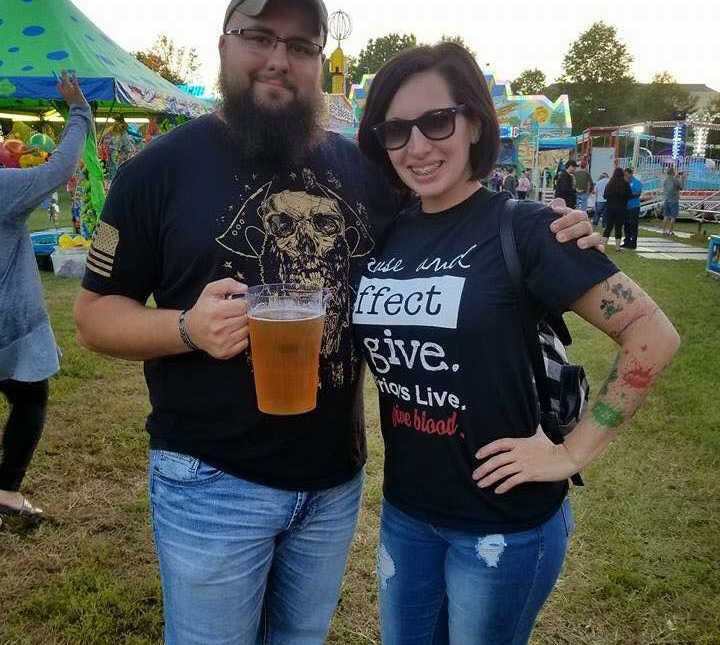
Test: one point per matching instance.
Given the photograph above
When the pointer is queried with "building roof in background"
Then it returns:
(697, 88)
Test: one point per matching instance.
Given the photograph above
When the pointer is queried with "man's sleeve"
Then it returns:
(555, 274)
(124, 256)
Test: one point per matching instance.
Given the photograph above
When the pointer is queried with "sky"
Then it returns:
(661, 35)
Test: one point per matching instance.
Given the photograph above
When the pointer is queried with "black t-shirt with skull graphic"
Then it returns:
(187, 211)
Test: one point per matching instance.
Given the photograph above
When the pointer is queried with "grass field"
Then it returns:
(643, 567)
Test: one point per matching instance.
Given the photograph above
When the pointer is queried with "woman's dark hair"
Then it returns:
(467, 87)
(617, 184)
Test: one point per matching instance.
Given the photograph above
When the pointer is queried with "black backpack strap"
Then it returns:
(557, 324)
(529, 327)
(548, 417)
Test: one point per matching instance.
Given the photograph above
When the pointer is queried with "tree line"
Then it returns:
(602, 90)
(595, 75)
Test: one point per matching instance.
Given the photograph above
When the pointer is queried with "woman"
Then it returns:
(28, 355)
(475, 519)
(617, 193)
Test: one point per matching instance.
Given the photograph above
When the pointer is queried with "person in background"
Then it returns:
(76, 190)
(600, 203)
(510, 184)
(633, 210)
(28, 353)
(616, 193)
(565, 184)
(524, 185)
(671, 205)
(119, 146)
(475, 517)
(583, 185)
(497, 180)
(547, 182)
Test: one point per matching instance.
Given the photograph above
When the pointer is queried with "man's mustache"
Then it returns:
(278, 80)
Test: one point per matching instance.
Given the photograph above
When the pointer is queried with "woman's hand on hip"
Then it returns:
(517, 461)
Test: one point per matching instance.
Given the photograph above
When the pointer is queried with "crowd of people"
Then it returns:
(507, 179)
(253, 514)
(616, 199)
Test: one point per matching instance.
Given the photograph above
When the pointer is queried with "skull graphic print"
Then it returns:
(308, 239)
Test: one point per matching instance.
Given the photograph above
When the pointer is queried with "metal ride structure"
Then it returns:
(651, 147)
(619, 136)
(340, 114)
(340, 28)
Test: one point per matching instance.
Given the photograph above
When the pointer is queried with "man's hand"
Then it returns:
(69, 89)
(574, 225)
(218, 324)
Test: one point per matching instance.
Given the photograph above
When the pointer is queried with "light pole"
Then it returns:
(536, 179)
(637, 131)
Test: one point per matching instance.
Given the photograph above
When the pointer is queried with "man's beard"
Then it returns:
(275, 135)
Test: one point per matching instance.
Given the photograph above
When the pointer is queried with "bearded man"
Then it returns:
(253, 515)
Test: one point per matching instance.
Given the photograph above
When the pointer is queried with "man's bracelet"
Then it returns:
(182, 328)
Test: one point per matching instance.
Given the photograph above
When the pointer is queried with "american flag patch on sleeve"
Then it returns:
(102, 251)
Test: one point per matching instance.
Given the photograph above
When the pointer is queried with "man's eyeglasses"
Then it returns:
(263, 42)
(434, 124)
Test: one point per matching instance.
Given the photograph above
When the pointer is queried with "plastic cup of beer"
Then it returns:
(286, 329)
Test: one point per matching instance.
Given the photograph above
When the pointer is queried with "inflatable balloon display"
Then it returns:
(42, 141)
(21, 131)
(6, 159)
(11, 151)
(15, 147)
(34, 158)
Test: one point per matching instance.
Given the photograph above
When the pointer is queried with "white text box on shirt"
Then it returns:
(427, 302)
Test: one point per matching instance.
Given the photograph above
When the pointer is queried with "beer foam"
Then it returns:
(295, 315)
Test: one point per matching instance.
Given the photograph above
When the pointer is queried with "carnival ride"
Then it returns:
(651, 147)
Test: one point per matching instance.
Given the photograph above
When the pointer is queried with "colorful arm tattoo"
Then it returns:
(634, 379)
(613, 304)
(607, 416)
(612, 377)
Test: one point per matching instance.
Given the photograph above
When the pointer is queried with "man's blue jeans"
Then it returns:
(440, 586)
(582, 200)
(245, 564)
(599, 215)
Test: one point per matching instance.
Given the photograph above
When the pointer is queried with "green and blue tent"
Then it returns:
(38, 38)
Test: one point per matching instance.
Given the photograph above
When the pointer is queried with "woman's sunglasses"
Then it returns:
(434, 124)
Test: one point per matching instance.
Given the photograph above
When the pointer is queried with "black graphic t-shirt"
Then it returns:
(188, 211)
(437, 318)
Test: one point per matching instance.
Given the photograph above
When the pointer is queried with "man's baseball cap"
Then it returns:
(255, 7)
